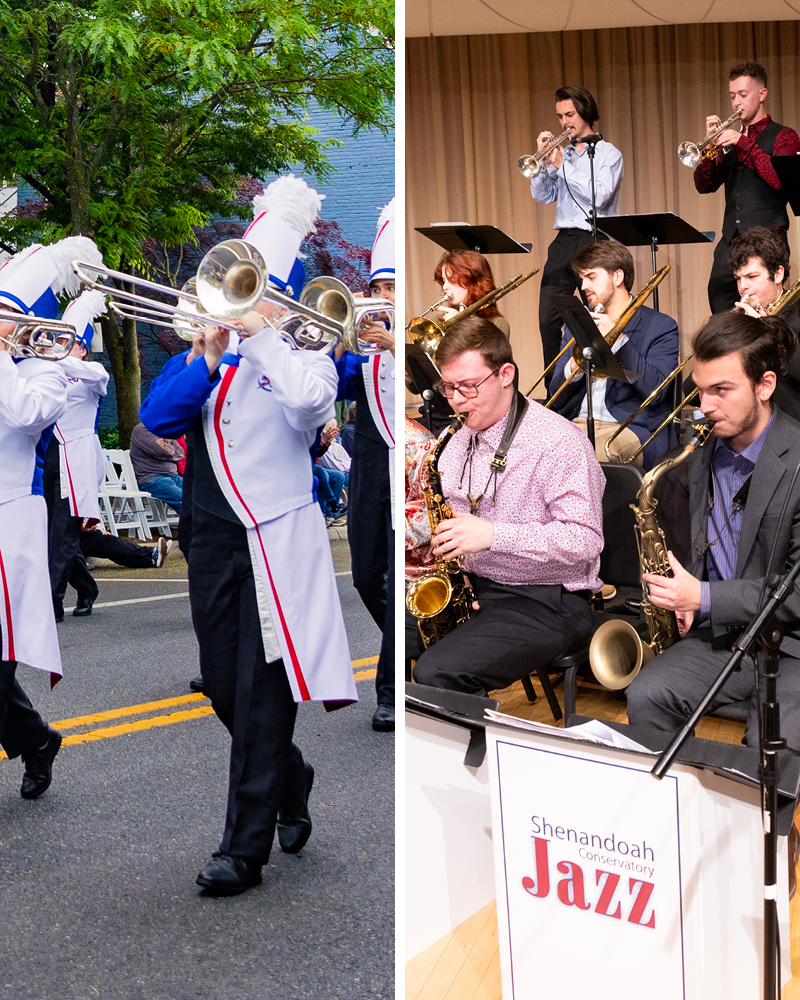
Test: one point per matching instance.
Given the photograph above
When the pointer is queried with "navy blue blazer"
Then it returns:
(652, 352)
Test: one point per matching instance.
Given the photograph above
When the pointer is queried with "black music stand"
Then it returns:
(654, 230)
(424, 376)
(482, 239)
(595, 350)
(788, 170)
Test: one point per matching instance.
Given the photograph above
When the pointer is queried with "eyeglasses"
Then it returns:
(469, 390)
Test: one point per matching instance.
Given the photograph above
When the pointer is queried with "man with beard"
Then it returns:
(738, 483)
(648, 347)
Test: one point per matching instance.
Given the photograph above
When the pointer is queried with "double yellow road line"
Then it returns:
(154, 721)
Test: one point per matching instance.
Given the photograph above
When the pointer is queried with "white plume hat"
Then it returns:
(82, 312)
(382, 257)
(283, 215)
(32, 279)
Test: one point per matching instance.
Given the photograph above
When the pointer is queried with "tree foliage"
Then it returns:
(141, 121)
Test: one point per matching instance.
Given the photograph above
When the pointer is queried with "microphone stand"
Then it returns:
(591, 142)
(766, 629)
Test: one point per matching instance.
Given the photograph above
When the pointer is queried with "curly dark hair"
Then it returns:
(754, 70)
(765, 244)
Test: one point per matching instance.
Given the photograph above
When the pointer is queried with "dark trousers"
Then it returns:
(251, 697)
(21, 726)
(64, 530)
(723, 291)
(558, 278)
(371, 538)
(516, 629)
(669, 689)
(118, 550)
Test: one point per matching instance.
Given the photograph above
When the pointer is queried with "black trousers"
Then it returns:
(118, 550)
(251, 697)
(21, 726)
(669, 689)
(516, 629)
(558, 278)
(64, 530)
(371, 538)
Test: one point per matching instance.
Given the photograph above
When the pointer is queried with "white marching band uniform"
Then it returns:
(378, 372)
(32, 397)
(80, 454)
(260, 422)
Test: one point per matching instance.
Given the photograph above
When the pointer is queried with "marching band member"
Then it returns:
(73, 468)
(33, 395)
(738, 483)
(566, 180)
(741, 161)
(370, 522)
(466, 276)
(648, 347)
(530, 535)
(262, 589)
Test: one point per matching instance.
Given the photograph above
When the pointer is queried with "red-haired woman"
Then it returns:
(466, 276)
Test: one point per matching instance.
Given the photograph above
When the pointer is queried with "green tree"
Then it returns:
(141, 120)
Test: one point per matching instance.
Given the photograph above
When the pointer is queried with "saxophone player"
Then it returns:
(738, 482)
(529, 530)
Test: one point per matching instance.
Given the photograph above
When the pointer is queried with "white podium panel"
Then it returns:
(613, 885)
(448, 850)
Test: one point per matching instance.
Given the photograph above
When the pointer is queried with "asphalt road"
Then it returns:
(97, 892)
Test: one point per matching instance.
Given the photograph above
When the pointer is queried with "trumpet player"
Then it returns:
(530, 535)
(33, 396)
(264, 601)
(566, 180)
(648, 347)
(738, 483)
(741, 161)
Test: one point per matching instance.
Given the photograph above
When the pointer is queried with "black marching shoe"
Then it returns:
(196, 684)
(39, 766)
(294, 820)
(383, 719)
(83, 608)
(229, 874)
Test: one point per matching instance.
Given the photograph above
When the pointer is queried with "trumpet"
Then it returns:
(32, 337)
(690, 153)
(531, 164)
(427, 333)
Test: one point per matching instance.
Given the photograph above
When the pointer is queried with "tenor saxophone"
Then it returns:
(617, 652)
(440, 599)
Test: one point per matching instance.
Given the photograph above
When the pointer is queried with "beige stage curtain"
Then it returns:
(476, 104)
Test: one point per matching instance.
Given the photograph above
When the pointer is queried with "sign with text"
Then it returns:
(588, 866)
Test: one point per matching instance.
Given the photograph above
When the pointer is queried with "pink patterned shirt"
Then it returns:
(547, 512)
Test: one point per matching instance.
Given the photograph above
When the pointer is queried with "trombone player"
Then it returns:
(741, 161)
(648, 346)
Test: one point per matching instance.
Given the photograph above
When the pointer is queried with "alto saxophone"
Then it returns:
(617, 652)
(441, 599)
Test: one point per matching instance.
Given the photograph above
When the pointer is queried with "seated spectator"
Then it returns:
(349, 429)
(155, 462)
(333, 466)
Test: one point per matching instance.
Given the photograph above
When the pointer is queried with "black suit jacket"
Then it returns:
(734, 602)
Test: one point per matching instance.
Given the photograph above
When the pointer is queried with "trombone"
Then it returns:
(47, 339)
(230, 281)
(531, 165)
(785, 300)
(613, 334)
(690, 153)
(427, 333)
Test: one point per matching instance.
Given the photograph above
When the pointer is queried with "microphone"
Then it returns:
(592, 139)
